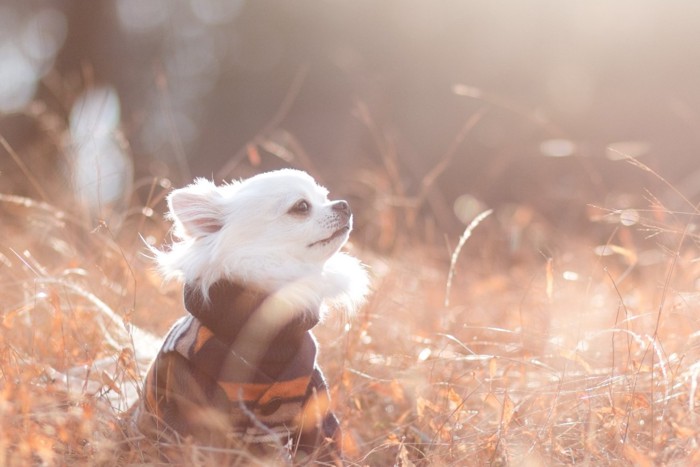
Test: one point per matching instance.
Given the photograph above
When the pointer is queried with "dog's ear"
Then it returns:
(196, 210)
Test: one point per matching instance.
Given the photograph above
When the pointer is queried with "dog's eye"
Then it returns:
(301, 207)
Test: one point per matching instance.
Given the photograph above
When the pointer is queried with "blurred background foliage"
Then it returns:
(420, 112)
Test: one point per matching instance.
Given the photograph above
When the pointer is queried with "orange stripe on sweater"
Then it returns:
(262, 393)
(286, 389)
(203, 335)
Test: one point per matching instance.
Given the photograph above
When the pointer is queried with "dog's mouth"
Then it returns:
(337, 234)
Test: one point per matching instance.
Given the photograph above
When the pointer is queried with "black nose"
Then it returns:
(342, 207)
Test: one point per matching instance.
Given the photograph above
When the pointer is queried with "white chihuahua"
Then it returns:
(260, 260)
(270, 231)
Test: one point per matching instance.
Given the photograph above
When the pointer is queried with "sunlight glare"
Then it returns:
(424, 354)
(102, 171)
(27, 51)
(140, 16)
(629, 217)
(215, 11)
(603, 250)
(466, 207)
(44, 34)
(18, 79)
(557, 148)
(570, 276)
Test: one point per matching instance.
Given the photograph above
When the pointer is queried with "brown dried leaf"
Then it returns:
(42, 447)
(358, 404)
(392, 439)
(455, 398)
(8, 318)
(492, 368)
(576, 357)
(346, 379)
(508, 412)
(550, 278)
(397, 392)
(253, 155)
(683, 432)
(422, 404)
(404, 461)
(492, 401)
(349, 444)
(109, 382)
(636, 457)
(640, 401)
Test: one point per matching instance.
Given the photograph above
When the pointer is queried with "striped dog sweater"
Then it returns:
(239, 366)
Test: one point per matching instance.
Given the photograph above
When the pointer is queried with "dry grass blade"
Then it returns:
(635, 162)
(458, 249)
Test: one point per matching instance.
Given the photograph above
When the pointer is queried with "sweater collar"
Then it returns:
(231, 306)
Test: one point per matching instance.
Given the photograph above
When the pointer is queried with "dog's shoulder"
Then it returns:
(180, 398)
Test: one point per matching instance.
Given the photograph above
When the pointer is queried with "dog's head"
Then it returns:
(268, 231)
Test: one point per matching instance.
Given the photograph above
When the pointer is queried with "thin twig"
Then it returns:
(15, 157)
(430, 178)
(279, 116)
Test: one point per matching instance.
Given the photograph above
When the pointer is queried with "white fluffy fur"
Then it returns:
(245, 232)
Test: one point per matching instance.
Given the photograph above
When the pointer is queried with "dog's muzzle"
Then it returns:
(342, 208)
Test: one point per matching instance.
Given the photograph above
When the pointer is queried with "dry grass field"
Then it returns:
(535, 278)
(581, 352)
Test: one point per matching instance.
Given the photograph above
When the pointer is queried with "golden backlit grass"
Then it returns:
(585, 354)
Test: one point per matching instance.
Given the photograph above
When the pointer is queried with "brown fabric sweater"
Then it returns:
(260, 377)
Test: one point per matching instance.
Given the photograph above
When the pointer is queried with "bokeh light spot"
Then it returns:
(629, 217)
(141, 16)
(557, 148)
(467, 207)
